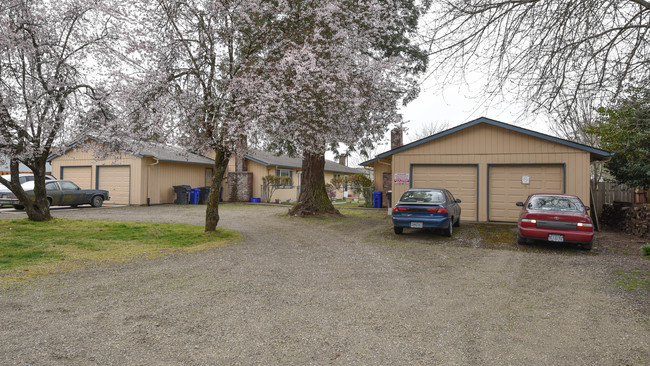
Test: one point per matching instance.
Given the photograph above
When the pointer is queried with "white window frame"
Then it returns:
(279, 171)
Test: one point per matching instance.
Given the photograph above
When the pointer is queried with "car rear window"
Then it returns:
(555, 203)
(423, 196)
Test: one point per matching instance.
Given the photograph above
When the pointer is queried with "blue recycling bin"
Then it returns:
(195, 193)
(376, 199)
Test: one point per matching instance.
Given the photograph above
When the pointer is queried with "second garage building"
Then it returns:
(132, 178)
(489, 165)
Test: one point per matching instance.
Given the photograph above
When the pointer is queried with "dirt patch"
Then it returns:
(331, 290)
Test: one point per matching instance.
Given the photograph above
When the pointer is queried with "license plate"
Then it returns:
(416, 225)
(555, 237)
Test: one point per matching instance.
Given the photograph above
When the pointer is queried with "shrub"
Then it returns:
(272, 182)
(645, 250)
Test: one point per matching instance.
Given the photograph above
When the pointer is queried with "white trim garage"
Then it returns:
(489, 166)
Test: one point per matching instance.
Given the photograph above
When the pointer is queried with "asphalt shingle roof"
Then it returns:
(158, 151)
(172, 154)
(595, 153)
(269, 159)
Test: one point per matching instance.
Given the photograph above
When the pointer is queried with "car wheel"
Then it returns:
(521, 240)
(19, 207)
(97, 201)
(398, 230)
(450, 229)
(457, 223)
(587, 246)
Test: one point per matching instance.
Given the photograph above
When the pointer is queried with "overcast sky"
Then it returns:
(456, 105)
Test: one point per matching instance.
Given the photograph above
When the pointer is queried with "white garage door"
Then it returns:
(80, 175)
(460, 180)
(116, 180)
(509, 184)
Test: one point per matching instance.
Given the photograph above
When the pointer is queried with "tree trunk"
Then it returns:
(37, 208)
(313, 199)
(221, 160)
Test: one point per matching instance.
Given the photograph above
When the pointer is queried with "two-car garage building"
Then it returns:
(146, 176)
(490, 166)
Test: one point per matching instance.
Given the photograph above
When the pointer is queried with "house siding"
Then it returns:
(149, 178)
(87, 158)
(485, 144)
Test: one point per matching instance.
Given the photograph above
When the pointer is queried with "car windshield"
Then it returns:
(28, 186)
(555, 203)
(423, 196)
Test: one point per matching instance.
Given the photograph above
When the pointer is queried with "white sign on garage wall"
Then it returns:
(402, 179)
(525, 179)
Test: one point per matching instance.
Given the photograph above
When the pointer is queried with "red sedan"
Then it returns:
(555, 218)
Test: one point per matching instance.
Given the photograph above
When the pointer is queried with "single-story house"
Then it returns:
(261, 163)
(489, 165)
(146, 176)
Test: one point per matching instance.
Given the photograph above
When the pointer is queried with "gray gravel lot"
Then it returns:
(334, 291)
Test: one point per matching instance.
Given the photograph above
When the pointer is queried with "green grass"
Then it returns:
(645, 251)
(351, 204)
(30, 248)
(633, 280)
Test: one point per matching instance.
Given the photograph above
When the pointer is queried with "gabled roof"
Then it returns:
(159, 152)
(269, 159)
(597, 154)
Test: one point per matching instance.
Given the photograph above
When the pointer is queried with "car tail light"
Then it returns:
(439, 210)
(528, 222)
(400, 209)
(585, 226)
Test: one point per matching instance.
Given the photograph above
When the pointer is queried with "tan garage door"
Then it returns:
(460, 180)
(506, 187)
(80, 175)
(116, 180)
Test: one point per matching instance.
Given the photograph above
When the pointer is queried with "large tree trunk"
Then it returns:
(221, 160)
(37, 207)
(313, 199)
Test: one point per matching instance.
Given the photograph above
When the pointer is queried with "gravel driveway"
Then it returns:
(334, 291)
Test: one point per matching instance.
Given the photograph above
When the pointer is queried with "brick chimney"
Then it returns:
(342, 160)
(396, 138)
(240, 150)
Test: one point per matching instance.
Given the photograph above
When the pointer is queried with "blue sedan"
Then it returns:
(420, 208)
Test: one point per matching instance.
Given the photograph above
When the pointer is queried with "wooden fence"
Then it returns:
(606, 193)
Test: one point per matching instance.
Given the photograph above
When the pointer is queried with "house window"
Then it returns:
(336, 175)
(285, 173)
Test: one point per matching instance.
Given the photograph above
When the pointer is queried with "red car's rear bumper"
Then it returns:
(570, 236)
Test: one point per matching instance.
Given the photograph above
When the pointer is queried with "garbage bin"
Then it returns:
(376, 199)
(204, 193)
(182, 194)
(194, 196)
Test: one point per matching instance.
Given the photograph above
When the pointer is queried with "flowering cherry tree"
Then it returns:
(183, 59)
(333, 72)
(48, 53)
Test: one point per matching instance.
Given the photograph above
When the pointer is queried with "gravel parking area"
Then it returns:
(327, 291)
